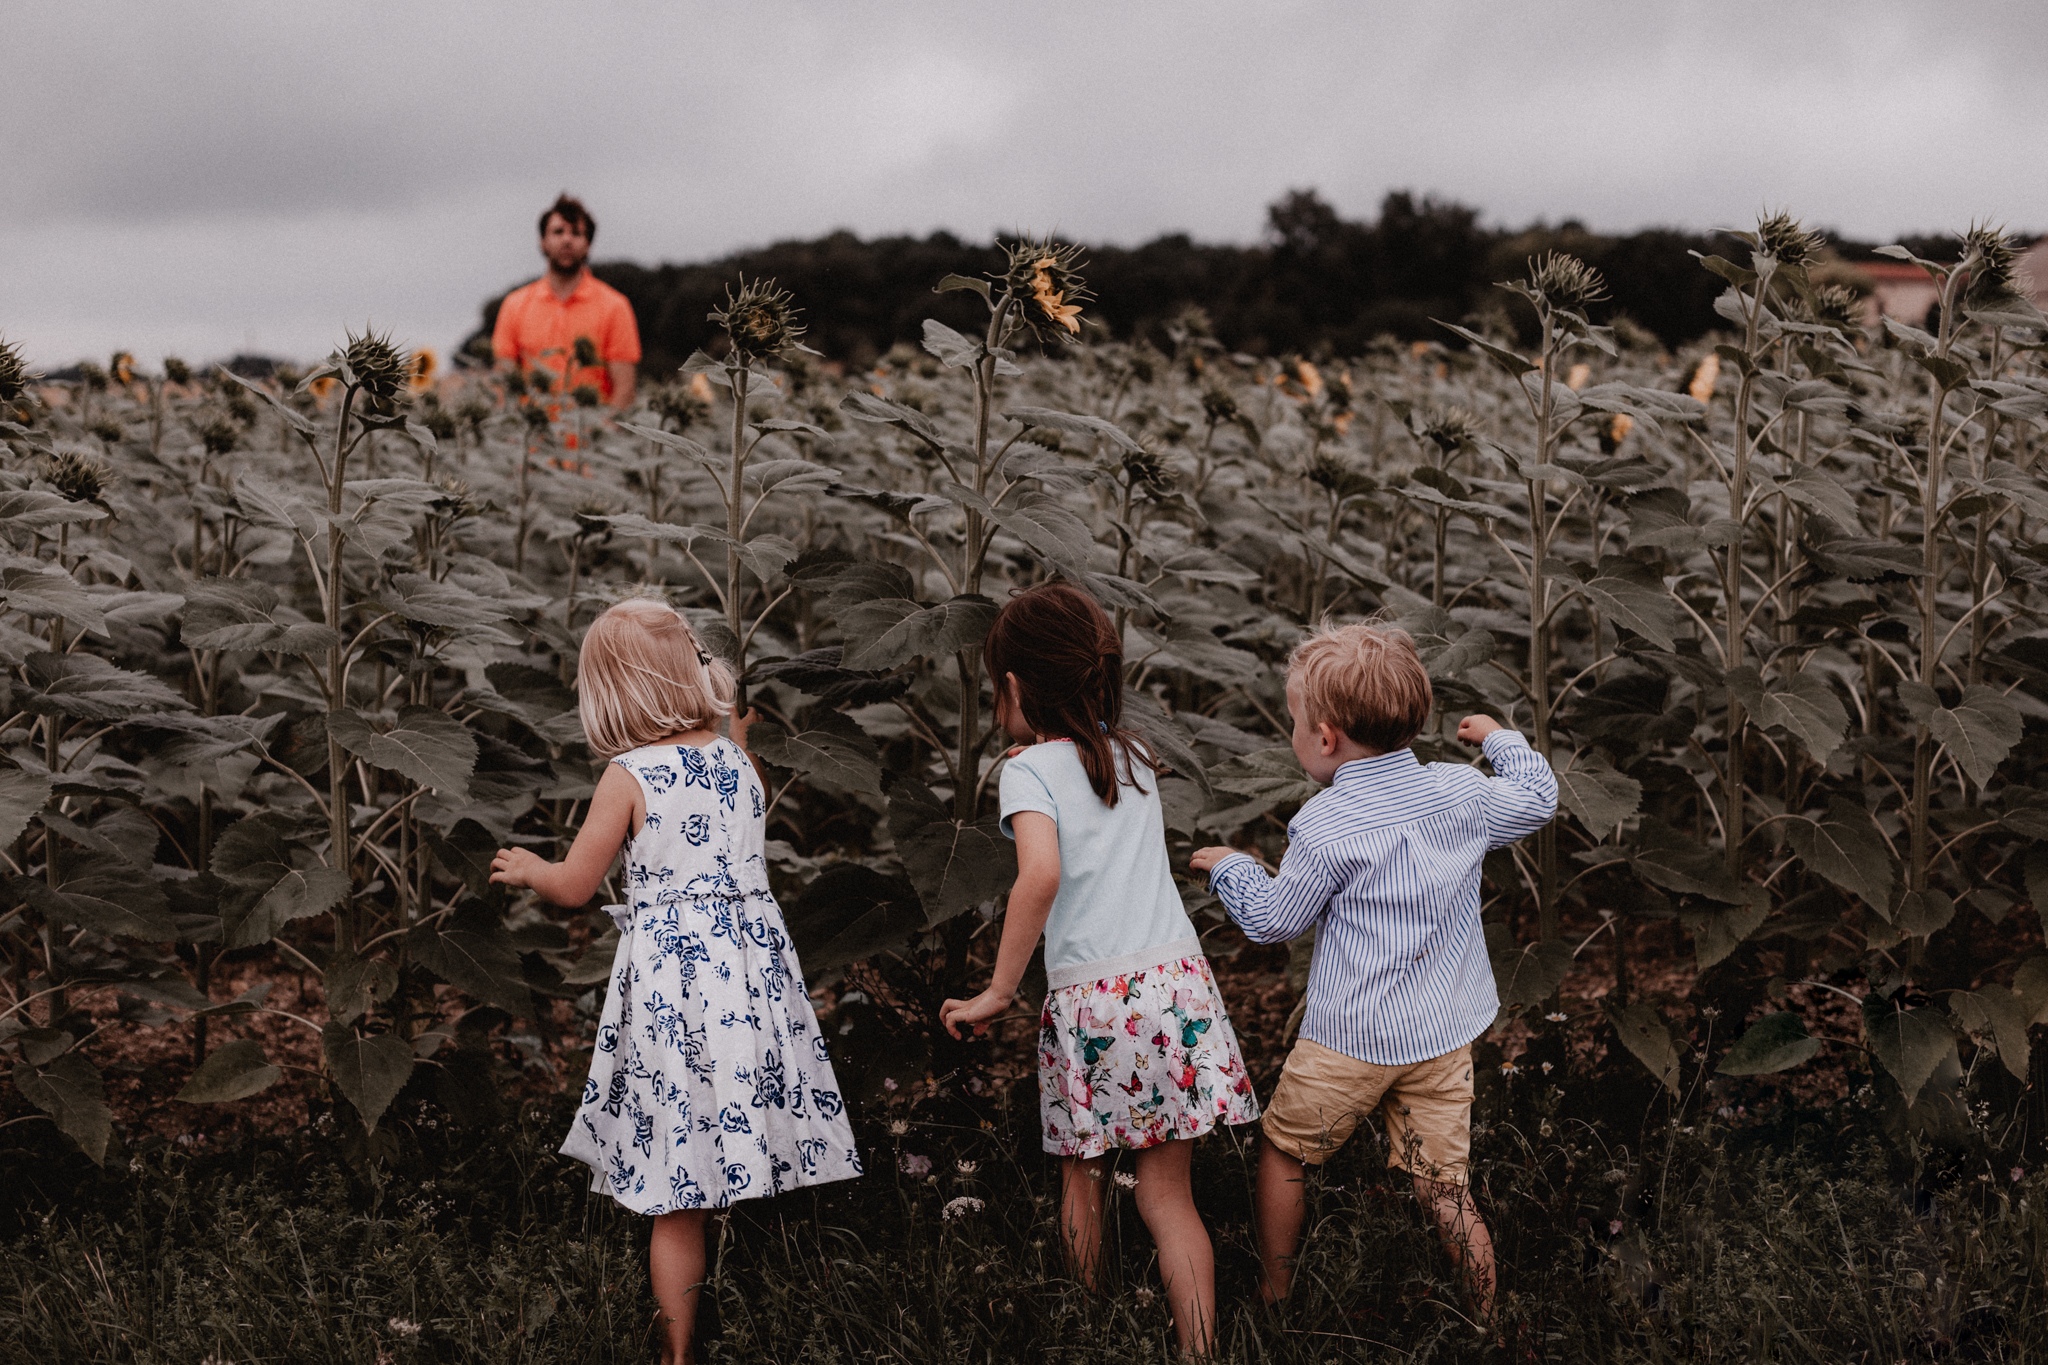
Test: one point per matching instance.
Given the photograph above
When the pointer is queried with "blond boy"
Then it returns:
(1385, 865)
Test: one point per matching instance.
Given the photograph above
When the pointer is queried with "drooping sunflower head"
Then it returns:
(1450, 429)
(1146, 470)
(122, 368)
(381, 370)
(760, 320)
(586, 353)
(1044, 276)
(1991, 257)
(1333, 472)
(14, 374)
(1786, 240)
(80, 478)
(424, 365)
(1565, 281)
(91, 376)
(176, 370)
(1219, 405)
(1836, 305)
(219, 434)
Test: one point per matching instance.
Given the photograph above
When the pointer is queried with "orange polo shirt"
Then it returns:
(538, 330)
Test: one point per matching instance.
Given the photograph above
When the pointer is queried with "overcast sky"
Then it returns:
(200, 179)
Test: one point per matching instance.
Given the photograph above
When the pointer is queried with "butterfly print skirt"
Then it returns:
(1139, 1059)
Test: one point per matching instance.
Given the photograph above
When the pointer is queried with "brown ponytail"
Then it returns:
(1069, 666)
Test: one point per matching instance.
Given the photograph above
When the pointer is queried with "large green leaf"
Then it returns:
(1525, 974)
(850, 912)
(1803, 704)
(237, 614)
(122, 904)
(832, 751)
(954, 865)
(476, 955)
(1076, 424)
(70, 1091)
(428, 746)
(1643, 1032)
(49, 591)
(22, 794)
(1996, 1014)
(886, 634)
(353, 984)
(1192, 649)
(1845, 847)
(261, 857)
(87, 687)
(1261, 781)
(1601, 797)
(232, 1071)
(1665, 857)
(1629, 601)
(950, 347)
(863, 406)
(1978, 731)
(368, 1071)
(1719, 932)
(1909, 1043)
(1776, 1042)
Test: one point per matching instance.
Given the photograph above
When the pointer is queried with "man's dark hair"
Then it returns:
(573, 213)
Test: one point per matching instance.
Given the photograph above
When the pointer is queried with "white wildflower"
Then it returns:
(404, 1327)
(1125, 1180)
(966, 1167)
(961, 1207)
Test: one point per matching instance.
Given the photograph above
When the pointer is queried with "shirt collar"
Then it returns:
(1380, 768)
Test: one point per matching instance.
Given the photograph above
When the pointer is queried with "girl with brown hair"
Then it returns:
(1135, 1049)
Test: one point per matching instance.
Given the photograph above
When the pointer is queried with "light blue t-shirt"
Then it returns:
(1117, 909)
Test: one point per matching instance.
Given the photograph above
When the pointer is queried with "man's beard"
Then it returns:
(574, 264)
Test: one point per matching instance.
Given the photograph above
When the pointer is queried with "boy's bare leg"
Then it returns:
(1187, 1261)
(1081, 1216)
(1281, 1207)
(675, 1268)
(1464, 1236)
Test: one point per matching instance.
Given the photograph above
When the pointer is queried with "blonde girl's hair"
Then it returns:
(642, 675)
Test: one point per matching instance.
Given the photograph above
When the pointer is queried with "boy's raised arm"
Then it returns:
(1521, 797)
(1269, 909)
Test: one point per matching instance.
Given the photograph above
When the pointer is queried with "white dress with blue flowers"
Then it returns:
(710, 1083)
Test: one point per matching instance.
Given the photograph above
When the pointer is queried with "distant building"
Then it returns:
(1902, 290)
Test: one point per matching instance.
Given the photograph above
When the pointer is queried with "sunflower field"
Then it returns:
(288, 658)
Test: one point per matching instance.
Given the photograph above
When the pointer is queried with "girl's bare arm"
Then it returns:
(1030, 903)
(614, 811)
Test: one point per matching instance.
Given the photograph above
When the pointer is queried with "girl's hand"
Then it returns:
(516, 867)
(1205, 859)
(974, 1013)
(1473, 729)
(741, 722)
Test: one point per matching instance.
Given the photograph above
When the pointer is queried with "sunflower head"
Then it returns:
(1836, 305)
(1337, 475)
(1991, 257)
(14, 374)
(760, 320)
(1450, 428)
(78, 477)
(1614, 431)
(455, 501)
(91, 376)
(176, 370)
(422, 366)
(1219, 405)
(381, 370)
(1144, 469)
(219, 434)
(473, 413)
(679, 406)
(1562, 280)
(1044, 277)
(586, 395)
(585, 351)
(1786, 240)
(122, 368)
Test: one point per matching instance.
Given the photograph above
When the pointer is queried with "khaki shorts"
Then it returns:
(1427, 1107)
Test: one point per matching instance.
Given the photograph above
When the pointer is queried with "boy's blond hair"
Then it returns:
(642, 676)
(1366, 680)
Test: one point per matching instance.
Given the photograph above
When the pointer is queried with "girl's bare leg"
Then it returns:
(1081, 1216)
(1187, 1262)
(675, 1266)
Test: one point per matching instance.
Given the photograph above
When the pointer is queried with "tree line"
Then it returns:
(1318, 284)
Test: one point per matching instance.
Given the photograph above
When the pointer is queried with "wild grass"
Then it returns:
(1802, 1239)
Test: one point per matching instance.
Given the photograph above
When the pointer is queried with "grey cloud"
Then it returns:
(236, 174)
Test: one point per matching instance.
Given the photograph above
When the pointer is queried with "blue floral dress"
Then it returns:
(710, 1083)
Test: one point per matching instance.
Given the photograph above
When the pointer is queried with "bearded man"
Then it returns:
(568, 322)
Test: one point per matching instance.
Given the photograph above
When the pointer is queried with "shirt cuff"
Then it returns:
(1224, 862)
(1512, 739)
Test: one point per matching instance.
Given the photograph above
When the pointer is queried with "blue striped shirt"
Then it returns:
(1386, 862)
